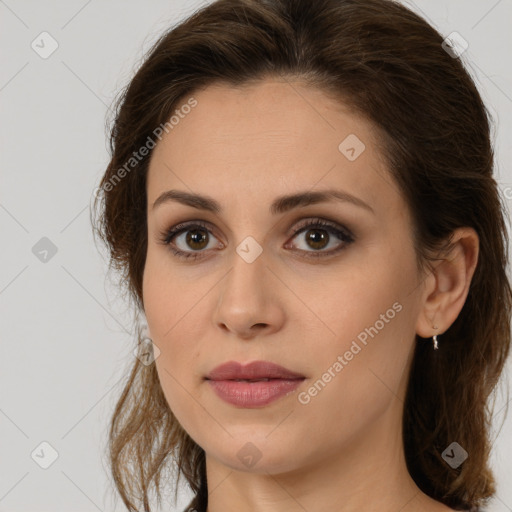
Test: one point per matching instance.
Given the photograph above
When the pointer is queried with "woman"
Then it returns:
(301, 201)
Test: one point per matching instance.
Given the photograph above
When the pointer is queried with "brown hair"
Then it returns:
(389, 65)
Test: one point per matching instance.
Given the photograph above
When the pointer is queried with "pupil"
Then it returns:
(317, 237)
(194, 238)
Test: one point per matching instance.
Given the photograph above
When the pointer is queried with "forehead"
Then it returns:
(268, 138)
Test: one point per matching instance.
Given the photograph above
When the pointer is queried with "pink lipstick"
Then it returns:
(254, 385)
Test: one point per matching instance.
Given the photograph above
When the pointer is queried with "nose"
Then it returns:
(249, 303)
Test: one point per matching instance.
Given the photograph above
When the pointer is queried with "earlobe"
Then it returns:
(448, 284)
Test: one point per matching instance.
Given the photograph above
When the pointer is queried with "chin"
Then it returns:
(257, 454)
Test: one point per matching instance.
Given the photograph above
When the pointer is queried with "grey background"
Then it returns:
(66, 331)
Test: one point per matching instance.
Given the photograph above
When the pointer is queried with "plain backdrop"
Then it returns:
(66, 332)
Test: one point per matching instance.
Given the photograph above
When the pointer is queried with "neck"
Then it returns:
(367, 473)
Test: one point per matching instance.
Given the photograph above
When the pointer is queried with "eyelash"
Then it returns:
(332, 228)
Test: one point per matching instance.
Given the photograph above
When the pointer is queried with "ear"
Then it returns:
(447, 285)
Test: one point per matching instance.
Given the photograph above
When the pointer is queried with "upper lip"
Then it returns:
(233, 370)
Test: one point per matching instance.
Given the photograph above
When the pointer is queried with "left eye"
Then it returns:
(319, 235)
(197, 236)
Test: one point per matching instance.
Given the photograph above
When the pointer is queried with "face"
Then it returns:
(326, 287)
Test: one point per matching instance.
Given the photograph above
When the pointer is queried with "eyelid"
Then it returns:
(319, 221)
(293, 230)
(181, 227)
(340, 230)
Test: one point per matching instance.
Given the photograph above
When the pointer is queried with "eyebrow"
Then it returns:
(280, 205)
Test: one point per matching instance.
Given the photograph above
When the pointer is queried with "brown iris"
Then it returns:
(316, 238)
(194, 238)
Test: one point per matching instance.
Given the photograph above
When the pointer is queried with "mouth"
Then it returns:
(254, 385)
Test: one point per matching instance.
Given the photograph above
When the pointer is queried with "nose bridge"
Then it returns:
(247, 279)
(247, 297)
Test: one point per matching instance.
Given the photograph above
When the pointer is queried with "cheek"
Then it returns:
(166, 298)
(175, 313)
(365, 358)
(170, 317)
(165, 313)
(367, 318)
(351, 301)
(359, 373)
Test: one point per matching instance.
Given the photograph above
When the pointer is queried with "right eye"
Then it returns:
(195, 235)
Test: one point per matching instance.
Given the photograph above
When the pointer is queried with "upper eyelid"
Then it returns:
(305, 222)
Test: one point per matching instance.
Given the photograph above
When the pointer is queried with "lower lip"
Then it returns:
(253, 394)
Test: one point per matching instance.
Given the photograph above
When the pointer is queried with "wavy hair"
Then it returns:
(389, 65)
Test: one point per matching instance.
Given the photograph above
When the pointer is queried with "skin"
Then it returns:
(343, 449)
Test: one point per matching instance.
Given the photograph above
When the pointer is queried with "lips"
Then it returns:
(254, 385)
(255, 371)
